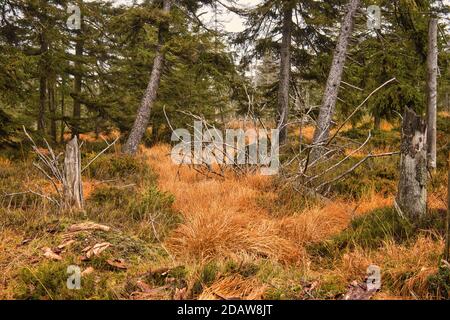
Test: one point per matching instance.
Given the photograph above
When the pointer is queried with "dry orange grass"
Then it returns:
(445, 114)
(234, 287)
(92, 137)
(320, 223)
(405, 268)
(222, 218)
(4, 163)
(307, 132)
(386, 126)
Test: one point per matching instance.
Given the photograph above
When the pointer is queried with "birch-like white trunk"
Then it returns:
(432, 67)
(285, 74)
(328, 106)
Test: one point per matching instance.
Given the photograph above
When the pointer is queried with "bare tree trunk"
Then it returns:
(143, 114)
(412, 188)
(73, 187)
(377, 124)
(432, 92)
(42, 84)
(301, 108)
(63, 112)
(52, 109)
(77, 85)
(327, 108)
(285, 73)
(42, 102)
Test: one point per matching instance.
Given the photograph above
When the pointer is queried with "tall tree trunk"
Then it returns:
(377, 120)
(285, 73)
(412, 188)
(77, 84)
(42, 84)
(432, 66)
(327, 108)
(143, 114)
(52, 109)
(63, 111)
(42, 102)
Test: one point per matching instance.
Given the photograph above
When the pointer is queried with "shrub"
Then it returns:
(439, 283)
(123, 167)
(49, 281)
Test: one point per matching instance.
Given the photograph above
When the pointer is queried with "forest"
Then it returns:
(224, 150)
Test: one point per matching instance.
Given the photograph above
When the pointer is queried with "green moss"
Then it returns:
(368, 231)
(207, 275)
(113, 197)
(439, 283)
(123, 167)
(176, 276)
(331, 286)
(49, 281)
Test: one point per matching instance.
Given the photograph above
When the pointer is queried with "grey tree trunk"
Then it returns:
(285, 74)
(42, 102)
(143, 114)
(412, 188)
(432, 66)
(42, 84)
(52, 108)
(327, 108)
(63, 113)
(73, 187)
(77, 84)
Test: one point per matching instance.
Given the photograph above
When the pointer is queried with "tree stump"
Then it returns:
(412, 188)
(73, 187)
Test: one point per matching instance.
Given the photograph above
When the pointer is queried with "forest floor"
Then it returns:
(154, 230)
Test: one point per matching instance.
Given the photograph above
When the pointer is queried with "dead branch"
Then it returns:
(109, 145)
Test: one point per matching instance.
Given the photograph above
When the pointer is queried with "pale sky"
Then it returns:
(230, 21)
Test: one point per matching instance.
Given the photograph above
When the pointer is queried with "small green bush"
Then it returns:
(373, 229)
(123, 167)
(49, 281)
(439, 283)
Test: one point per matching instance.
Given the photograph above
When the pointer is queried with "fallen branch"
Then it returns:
(387, 154)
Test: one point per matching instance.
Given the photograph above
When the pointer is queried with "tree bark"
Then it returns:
(42, 84)
(377, 122)
(327, 108)
(143, 114)
(285, 74)
(412, 193)
(52, 109)
(79, 46)
(63, 112)
(73, 187)
(432, 66)
(42, 102)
